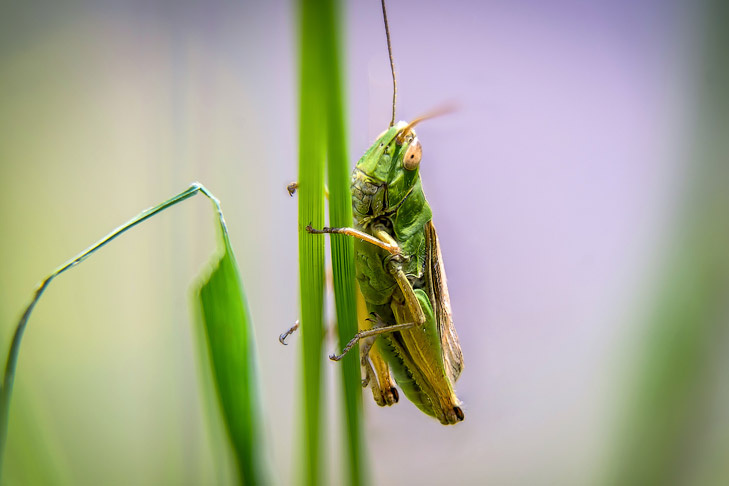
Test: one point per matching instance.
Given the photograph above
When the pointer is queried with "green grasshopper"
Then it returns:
(401, 277)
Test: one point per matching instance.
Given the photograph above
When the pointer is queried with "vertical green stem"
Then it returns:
(312, 151)
(342, 247)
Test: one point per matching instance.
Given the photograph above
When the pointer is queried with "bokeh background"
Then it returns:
(559, 188)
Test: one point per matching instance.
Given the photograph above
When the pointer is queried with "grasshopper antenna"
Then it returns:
(442, 110)
(392, 63)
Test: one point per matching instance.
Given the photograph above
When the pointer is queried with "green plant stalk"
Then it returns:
(10, 365)
(312, 152)
(342, 248)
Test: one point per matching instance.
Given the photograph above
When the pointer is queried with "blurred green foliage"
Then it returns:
(670, 434)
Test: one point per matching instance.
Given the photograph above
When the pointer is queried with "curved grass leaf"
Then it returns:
(227, 328)
(231, 349)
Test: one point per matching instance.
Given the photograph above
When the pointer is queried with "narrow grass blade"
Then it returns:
(342, 247)
(9, 376)
(667, 435)
(312, 151)
(231, 350)
(227, 262)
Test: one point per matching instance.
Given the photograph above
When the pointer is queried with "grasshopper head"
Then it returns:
(393, 162)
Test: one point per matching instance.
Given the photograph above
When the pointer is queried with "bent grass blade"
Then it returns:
(232, 356)
(226, 320)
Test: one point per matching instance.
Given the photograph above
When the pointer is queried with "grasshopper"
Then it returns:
(401, 277)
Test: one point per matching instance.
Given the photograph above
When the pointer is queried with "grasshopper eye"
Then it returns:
(413, 155)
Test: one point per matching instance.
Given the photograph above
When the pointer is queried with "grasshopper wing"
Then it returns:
(438, 294)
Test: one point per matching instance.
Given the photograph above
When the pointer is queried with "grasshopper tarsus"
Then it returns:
(391, 248)
(387, 397)
(374, 332)
(292, 188)
(284, 335)
(459, 413)
(347, 348)
(374, 319)
(324, 230)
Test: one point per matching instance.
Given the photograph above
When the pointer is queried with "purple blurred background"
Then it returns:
(553, 188)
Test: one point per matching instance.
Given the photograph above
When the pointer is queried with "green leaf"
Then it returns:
(231, 349)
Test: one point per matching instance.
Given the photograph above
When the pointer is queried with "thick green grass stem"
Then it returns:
(322, 136)
(342, 247)
(312, 152)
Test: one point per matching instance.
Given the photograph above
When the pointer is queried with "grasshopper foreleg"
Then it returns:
(391, 248)
(411, 300)
(395, 268)
(383, 240)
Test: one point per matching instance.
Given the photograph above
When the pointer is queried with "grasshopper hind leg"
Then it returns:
(377, 374)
